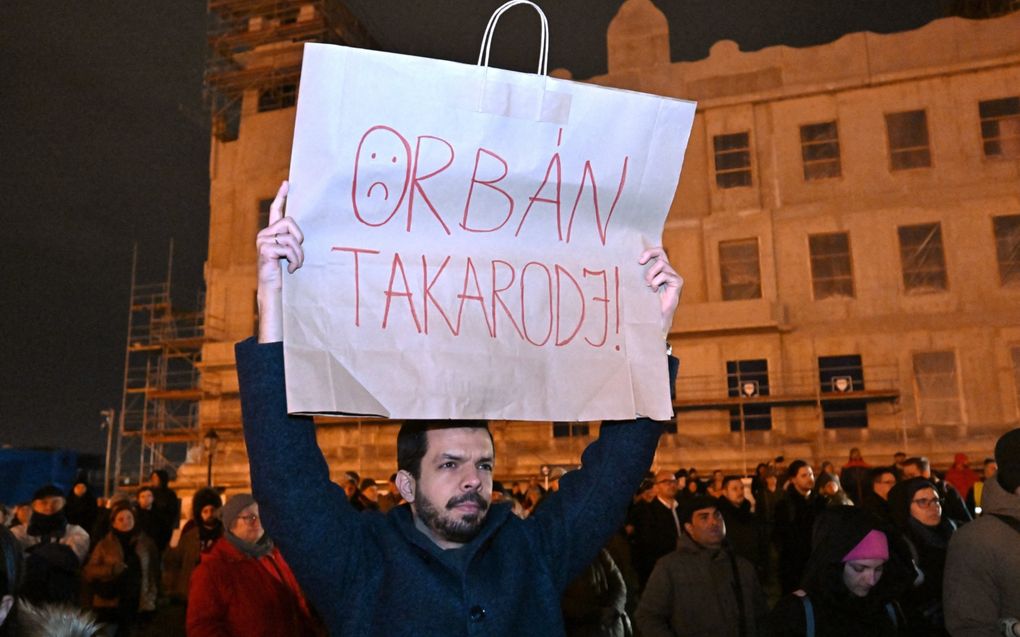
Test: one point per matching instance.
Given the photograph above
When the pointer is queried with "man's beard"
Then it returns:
(461, 530)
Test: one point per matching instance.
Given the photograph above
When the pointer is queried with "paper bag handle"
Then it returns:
(543, 53)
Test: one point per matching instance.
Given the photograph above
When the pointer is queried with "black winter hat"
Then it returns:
(203, 498)
(1007, 455)
(49, 491)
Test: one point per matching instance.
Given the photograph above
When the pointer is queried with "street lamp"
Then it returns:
(209, 442)
(107, 423)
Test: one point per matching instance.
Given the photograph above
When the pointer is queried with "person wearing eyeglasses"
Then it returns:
(656, 526)
(243, 586)
(916, 509)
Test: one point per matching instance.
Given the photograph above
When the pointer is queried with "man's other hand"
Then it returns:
(663, 279)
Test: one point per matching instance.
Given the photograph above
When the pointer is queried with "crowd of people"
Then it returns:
(895, 549)
(444, 549)
(78, 566)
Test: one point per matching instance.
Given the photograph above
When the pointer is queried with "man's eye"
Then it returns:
(448, 465)
(485, 466)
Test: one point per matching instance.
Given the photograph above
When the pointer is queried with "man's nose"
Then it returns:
(471, 479)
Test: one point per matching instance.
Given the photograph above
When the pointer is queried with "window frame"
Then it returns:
(914, 290)
(722, 174)
(1009, 276)
(849, 259)
(570, 429)
(759, 416)
(996, 120)
(807, 163)
(894, 152)
(722, 271)
(956, 398)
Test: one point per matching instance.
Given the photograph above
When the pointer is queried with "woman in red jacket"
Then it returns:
(243, 586)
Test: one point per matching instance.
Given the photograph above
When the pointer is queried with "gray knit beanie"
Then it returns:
(233, 508)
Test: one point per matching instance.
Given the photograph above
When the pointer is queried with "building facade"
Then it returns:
(847, 222)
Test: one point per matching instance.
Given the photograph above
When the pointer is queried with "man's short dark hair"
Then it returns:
(795, 467)
(920, 462)
(413, 442)
(731, 478)
(878, 472)
(695, 504)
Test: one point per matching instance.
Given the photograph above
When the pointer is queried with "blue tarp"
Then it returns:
(22, 471)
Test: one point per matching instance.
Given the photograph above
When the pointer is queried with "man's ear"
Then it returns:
(406, 485)
(688, 528)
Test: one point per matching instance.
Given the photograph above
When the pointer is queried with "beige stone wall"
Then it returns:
(944, 68)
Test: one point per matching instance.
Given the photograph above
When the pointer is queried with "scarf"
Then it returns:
(47, 527)
(207, 535)
(259, 549)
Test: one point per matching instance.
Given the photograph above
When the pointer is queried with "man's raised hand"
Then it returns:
(281, 239)
(663, 279)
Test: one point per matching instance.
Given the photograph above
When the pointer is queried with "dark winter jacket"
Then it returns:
(594, 604)
(922, 603)
(691, 594)
(82, 510)
(370, 574)
(655, 534)
(836, 611)
(795, 518)
(745, 533)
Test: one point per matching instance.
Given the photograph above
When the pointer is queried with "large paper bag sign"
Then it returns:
(472, 239)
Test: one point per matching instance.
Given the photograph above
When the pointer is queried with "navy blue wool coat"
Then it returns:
(373, 574)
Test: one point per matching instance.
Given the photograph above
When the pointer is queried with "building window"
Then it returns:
(831, 267)
(1007, 248)
(938, 393)
(908, 140)
(842, 377)
(732, 160)
(922, 258)
(739, 270)
(277, 97)
(749, 380)
(1000, 127)
(570, 429)
(263, 221)
(819, 149)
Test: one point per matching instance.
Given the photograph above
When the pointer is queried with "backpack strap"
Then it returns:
(890, 610)
(809, 612)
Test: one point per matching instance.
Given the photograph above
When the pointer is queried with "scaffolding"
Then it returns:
(255, 45)
(158, 419)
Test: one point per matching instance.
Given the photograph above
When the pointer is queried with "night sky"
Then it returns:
(104, 143)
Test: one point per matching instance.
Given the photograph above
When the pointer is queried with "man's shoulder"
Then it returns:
(987, 530)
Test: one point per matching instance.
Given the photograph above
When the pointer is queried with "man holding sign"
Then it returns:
(449, 562)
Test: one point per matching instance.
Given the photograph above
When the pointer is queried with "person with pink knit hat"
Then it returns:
(857, 570)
